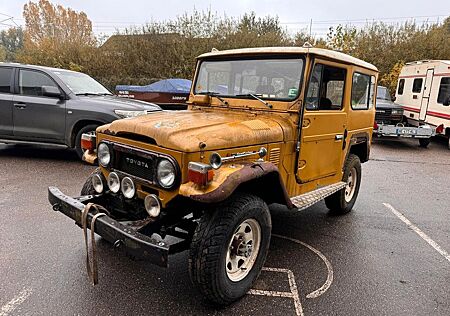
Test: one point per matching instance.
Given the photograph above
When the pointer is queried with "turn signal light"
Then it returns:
(375, 125)
(88, 141)
(200, 173)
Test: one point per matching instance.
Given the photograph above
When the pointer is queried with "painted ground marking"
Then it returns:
(292, 285)
(15, 302)
(418, 231)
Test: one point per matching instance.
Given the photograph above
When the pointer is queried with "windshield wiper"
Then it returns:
(216, 95)
(256, 98)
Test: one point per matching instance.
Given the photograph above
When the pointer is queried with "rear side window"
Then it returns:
(401, 86)
(31, 82)
(5, 79)
(326, 88)
(417, 85)
(362, 91)
(444, 90)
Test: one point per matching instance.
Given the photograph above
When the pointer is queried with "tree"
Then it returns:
(11, 42)
(56, 36)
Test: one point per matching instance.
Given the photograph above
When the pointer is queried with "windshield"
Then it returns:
(80, 83)
(383, 93)
(271, 78)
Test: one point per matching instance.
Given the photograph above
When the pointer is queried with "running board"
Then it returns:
(306, 200)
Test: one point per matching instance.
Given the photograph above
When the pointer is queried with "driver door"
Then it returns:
(324, 123)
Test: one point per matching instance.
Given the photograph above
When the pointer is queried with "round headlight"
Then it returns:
(215, 160)
(165, 173)
(103, 154)
(152, 205)
(128, 189)
(97, 183)
(114, 182)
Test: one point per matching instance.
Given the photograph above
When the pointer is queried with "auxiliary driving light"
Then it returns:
(114, 182)
(152, 205)
(97, 183)
(128, 188)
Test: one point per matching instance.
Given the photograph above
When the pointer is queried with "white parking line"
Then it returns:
(15, 302)
(292, 286)
(330, 273)
(417, 230)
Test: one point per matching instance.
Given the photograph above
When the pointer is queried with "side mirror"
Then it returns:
(393, 99)
(52, 92)
(446, 101)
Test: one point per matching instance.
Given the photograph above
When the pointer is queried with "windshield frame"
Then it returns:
(60, 75)
(265, 56)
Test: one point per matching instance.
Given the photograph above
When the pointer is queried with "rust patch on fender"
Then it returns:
(223, 190)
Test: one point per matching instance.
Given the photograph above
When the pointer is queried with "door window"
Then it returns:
(417, 85)
(5, 79)
(326, 88)
(444, 90)
(31, 82)
(362, 91)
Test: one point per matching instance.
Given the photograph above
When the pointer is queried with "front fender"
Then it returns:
(229, 177)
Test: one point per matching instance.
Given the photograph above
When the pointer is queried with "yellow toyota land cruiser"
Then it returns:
(287, 125)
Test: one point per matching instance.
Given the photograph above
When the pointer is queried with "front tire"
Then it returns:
(87, 129)
(229, 248)
(424, 142)
(88, 188)
(342, 201)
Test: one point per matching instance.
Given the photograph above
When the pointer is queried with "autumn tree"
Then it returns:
(56, 36)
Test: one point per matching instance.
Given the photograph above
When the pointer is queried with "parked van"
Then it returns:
(423, 90)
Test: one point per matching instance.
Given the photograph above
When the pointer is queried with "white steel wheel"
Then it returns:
(351, 185)
(243, 250)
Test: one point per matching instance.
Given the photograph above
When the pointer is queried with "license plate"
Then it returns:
(406, 131)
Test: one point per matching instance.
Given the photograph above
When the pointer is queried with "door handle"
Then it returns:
(20, 105)
(339, 137)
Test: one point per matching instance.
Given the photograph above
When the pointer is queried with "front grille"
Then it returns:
(136, 165)
(382, 116)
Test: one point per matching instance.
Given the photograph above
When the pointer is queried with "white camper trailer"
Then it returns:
(423, 90)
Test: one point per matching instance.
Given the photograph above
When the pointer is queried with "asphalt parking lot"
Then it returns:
(388, 257)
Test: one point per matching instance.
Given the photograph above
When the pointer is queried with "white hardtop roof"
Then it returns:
(447, 62)
(292, 50)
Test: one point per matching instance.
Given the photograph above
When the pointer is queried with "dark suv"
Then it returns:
(56, 106)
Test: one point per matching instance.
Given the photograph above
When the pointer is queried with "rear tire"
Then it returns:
(342, 201)
(424, 142)
(87, 129)
(88, 188)
(229, 248)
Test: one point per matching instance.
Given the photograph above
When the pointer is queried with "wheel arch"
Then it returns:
(260, 179)
(78, 126)
(360, 146)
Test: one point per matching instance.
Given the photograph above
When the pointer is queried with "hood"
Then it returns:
(116, 103)
(185, 130)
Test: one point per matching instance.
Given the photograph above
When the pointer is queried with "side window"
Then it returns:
(361, 91)
(326, 88)
(401, 86)
(444, 90)
(417, 85)
(5, 79)
(31, 82)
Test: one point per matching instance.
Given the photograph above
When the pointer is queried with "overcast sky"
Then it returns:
(109, 15)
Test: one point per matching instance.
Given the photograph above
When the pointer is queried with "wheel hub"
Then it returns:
(243, 250)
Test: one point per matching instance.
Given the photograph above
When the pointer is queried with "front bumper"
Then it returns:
(124, 236)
